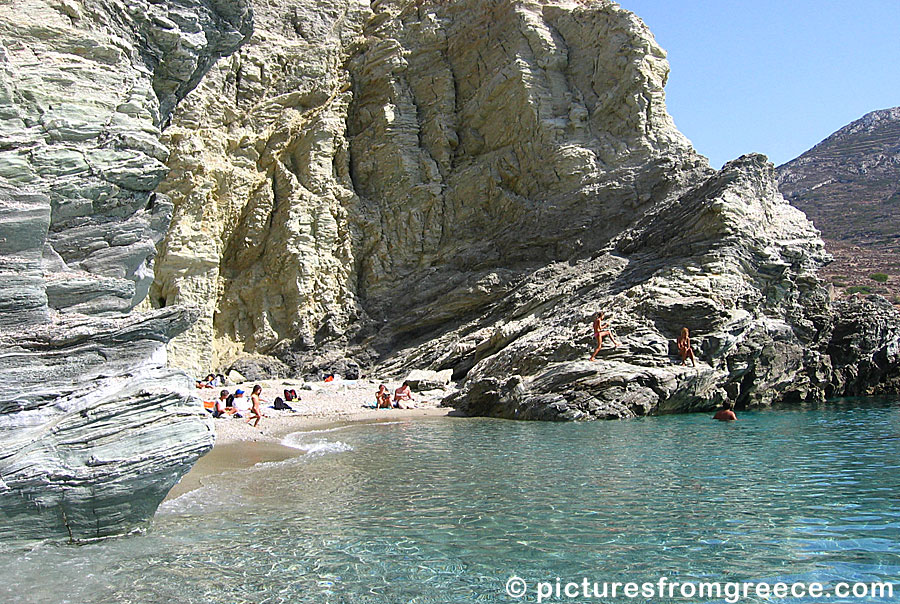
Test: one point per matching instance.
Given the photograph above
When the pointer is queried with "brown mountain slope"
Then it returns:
(849, 186)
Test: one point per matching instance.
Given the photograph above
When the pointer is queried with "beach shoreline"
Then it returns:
(321, 406)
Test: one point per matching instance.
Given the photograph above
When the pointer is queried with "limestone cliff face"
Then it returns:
(393, 167)
(491, 139)
(93, 429)
(462, 185)
(260, 241)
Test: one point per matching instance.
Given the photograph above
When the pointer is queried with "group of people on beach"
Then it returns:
(602, 330)
(403, 393)
(235, 405)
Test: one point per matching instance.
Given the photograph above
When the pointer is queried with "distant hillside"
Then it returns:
(849, 186)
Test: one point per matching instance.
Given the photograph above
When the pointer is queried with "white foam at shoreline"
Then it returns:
(201, 497)
(336, 428)
(314, 448)
(207, 499)
(324, 448)
(297, 440)
(321, 431)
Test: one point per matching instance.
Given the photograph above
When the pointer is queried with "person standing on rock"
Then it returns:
(725, 414)
(601, 330)
(684, 347)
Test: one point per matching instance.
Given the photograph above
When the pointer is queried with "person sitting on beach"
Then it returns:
(383, 398)
(255, 407)
(403, 393)
(601, 330)
(684, 347)
(725, 414)
(240, 404)
(291, 395)
(219, 409)
(207, 382)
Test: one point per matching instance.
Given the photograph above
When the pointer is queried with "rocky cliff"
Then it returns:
(371, 187)
(462, 185)
(94, 430)
(849, 186)
(371, 174)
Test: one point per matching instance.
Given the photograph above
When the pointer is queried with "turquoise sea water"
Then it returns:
(447, 510)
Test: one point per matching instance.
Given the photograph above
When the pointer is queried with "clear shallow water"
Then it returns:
(446, 510)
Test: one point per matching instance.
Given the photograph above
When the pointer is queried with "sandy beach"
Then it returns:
(322, 404)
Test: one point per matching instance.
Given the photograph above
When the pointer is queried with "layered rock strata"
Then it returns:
(400, 164)
(260, 242)
(94, 429)
(463, 186)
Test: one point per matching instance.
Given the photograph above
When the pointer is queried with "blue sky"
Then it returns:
(774, 77)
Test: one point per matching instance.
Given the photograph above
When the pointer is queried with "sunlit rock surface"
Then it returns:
(381, 187)
(94, 429)
(355, 166)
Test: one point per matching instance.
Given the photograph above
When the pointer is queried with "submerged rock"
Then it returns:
(93, 429)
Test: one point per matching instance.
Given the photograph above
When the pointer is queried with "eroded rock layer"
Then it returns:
(401, 164)
(94, 429)
(463, 185)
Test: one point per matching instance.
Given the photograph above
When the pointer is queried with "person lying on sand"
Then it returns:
(601, 330)
(207, 382)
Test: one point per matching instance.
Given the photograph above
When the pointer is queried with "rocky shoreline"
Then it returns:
(341, 187)
(94, 428)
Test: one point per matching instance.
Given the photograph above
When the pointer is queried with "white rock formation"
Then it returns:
(260, 241)
(93, 429)
(465, 151)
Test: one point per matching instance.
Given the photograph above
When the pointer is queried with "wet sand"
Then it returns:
(322, 405)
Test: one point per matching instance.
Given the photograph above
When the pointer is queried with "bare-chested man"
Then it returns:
(601, 330)
(725, 414)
